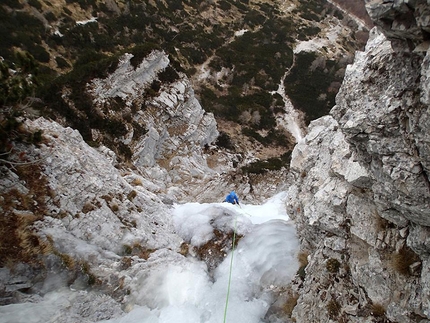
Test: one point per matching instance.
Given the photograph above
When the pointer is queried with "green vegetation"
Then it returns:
(17, 85)
(224, 141)
(19, 30)
(17, 82)
(333, 309)
(233, 105)
(333, 265)
(169, 75)
(257, 60)
(274, 137)
(20, 210)
(127, 249)
(312, 84)
(35, 3)
(260, 55)
(61, 62)
(307, 32)
(270, 164)
(140, 52)
(90, 65)
(310, 10)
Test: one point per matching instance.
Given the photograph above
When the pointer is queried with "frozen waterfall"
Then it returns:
(174, 288)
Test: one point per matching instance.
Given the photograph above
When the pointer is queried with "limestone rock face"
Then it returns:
(96, 213)
(97, 202)
(166, 109)
(360, 192)
(386, 129)
(171, 116)
(169, 137)
(93, 224)
(401, 20)
(167, 127)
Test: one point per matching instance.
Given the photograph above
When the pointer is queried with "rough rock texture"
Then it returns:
(405, 22)
(170, 136)
(361, 197)
(95, 225)
(79, 217)
(167, 128)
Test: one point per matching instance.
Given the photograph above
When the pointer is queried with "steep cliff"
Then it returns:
(76, 215)
(361, 194)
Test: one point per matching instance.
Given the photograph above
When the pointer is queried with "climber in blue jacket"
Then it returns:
(232, 198)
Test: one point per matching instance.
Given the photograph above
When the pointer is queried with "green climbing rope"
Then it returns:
(231, 268)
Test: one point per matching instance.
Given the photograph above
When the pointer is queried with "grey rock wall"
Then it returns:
(360, 184)
(403, 21)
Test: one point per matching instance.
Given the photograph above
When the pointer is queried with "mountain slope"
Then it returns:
(235, 52)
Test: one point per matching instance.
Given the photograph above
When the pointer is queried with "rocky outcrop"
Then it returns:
(170, 137)
(78, 214)
(167, 128)
(90, 222)
(406, 23)
(361, 196)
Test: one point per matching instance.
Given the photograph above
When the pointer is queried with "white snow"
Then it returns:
(184, 292)
(312, 45)
(84, 22)
(240, 32)
(172, 288)
(318, 43)
(290, 119)
(58, 33)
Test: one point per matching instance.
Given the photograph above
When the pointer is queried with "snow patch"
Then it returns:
(84, 22)
(290, 119)
(317, 44)
(58, 33)
(240, 32)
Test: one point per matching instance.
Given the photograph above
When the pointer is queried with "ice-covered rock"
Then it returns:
(87, 216)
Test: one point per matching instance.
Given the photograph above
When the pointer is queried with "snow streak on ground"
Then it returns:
(169, 287)
(289, 120)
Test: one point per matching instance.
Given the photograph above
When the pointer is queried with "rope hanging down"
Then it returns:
(231, 268)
